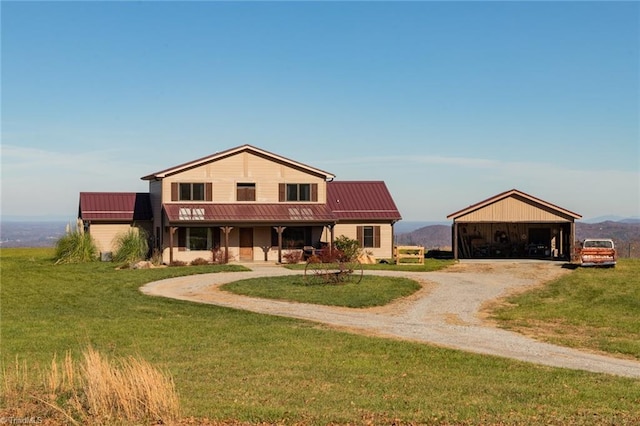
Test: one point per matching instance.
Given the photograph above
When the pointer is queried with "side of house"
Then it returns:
(106, 215)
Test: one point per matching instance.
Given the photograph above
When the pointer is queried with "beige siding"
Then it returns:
(244, 167)
(385, 251)
(512, 209)
(104, 235)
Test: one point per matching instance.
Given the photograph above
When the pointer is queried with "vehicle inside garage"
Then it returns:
(513, 225)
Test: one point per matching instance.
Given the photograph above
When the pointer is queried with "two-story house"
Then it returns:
(250, 203)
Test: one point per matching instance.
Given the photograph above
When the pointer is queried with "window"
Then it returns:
(298, 192)
(186, 213)
(292, 237)
(246, 191)
(198, 238)
(191, 191)
(368, 236)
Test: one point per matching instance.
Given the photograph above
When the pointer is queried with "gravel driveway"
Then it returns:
(447, 311)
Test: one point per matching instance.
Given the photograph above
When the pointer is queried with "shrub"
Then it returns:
(156, 257)
(131, 246)
(76, 247)
(199, 262)
(293, 256)
(350, 248)
(218, 256)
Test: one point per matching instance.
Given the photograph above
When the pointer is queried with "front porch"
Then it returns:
(224, 243)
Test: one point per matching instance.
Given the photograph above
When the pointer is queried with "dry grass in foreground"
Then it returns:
(95, 390)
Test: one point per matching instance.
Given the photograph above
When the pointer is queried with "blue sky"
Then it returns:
(448, 102)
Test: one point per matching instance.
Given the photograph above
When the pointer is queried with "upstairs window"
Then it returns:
(184, 191)
(192, 192)
(297, 192)
(246, 191)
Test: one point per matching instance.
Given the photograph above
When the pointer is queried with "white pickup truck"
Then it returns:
(598, 252)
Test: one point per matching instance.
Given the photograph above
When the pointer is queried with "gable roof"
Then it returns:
(512, 193)
(115, 206)
(361, 200)
(233, 151)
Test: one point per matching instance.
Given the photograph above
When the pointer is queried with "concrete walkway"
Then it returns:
(445, 312)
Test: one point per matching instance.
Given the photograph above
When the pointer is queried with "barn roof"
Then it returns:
(255, 213)
(233, 151)
(115, 206)
(361, 200)
(512, 193)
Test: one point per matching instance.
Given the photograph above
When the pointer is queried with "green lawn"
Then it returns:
(371, 291)
(592, 308)
(230, 364)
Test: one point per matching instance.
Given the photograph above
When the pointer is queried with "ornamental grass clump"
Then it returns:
(96, 391)
(131, 246)
(76, 247)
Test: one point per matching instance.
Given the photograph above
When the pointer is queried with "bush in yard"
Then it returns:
(131, 246)
(292, 256)
(76, 247)
(218, 256)
(349, 248)
(199, 262)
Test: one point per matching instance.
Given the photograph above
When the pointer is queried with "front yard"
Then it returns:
(234, 366)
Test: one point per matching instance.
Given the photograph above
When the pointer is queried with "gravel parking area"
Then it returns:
(447, 311)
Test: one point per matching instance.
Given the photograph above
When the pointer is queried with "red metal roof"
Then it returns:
(235, 213)
(361, 200)
(115, 206)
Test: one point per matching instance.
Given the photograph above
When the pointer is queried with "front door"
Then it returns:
(246, 244)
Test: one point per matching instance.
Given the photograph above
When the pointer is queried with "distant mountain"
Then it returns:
(626, 236)
(405, 226)
(630, 220)
(621, 231)
(430, 237)
(612, 218)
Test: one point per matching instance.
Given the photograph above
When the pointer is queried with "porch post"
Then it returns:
(454, 241)
(572, 241)
(172, 230)
(332, 239)
(227, 231)
(279, 230)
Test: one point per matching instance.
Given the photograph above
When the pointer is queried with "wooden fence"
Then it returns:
(408, 254)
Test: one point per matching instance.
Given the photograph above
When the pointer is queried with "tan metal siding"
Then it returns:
(385, 251)
(512, 210)
(104, 235)
(245, 167)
